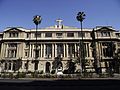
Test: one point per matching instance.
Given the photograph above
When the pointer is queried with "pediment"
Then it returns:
(102, 29)
(13, 30)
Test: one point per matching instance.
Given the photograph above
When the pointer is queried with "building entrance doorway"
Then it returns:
(47, 67)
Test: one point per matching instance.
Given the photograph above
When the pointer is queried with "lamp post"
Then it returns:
(37, 20)
(80, 17)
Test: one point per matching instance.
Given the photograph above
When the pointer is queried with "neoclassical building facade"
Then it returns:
(18, 47)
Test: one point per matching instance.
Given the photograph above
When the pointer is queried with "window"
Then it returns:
(107, 49)
(118, 44)
(70, 34)
(13, 34)
(71, 49)
(9, 64)
(118, 51)
(48, 50)
(118, 34)
(28, 35)
(26, 54)
(80, 34)
(105, 34)
(60, 49)
(48, 34)
(27, 45)
(38, 34)
(11, 53)
(12, 45)
(59, 34)
(36, 53)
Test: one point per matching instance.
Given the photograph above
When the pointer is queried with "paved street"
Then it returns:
(99, 84)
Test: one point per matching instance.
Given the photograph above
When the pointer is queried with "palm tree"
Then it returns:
(80, 17)
(37, 20)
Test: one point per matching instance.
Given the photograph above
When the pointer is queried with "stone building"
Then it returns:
(60, 43)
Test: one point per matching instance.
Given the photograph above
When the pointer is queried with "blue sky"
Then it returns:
(19, 13)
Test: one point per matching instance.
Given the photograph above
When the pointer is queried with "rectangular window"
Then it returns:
(36, 53)
(48, 34)
(28, 35)
(71, 49)
(12, 45)
(70, 34)
(38, 34)
(118, 34)
(26, 54)
(81, 33)
(49, 50)
(107, 50)
(105, 34)
(13, 34)
(12, 53)
(26, 45)
(118, 44)
(59, 34)
(6, 66)
(118, 50)
(9, 64)
(60, 49)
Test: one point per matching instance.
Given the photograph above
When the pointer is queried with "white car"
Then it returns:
(59, 72)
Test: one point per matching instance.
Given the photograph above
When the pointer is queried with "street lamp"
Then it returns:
(80, 17)
(37, 20)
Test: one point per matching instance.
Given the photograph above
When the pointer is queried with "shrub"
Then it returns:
(41, 72)
(20, 75)
(11, 75)
(34, 74)
(53, 72)
(65, 72)
(77, 71)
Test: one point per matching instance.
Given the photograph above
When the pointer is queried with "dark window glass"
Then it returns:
(28, 35)
(70, 34)
(80, 34)
(13, 34)
(58, 34)
(105, 34)
(9, 68)
(37, 53)
(38, 34)
(60, 49)
(48, 34)
(48, 49)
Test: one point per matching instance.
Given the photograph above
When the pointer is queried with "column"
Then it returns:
(18, 50)
(75, 48)
(41, 50)
(11, 65)
(88, 49)
(6, 49)
(44, 51)
(85, 50)
(53, 51)
(2, 49)
(101, 49)
(30, 51)
(33, 50)
(64, 50)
